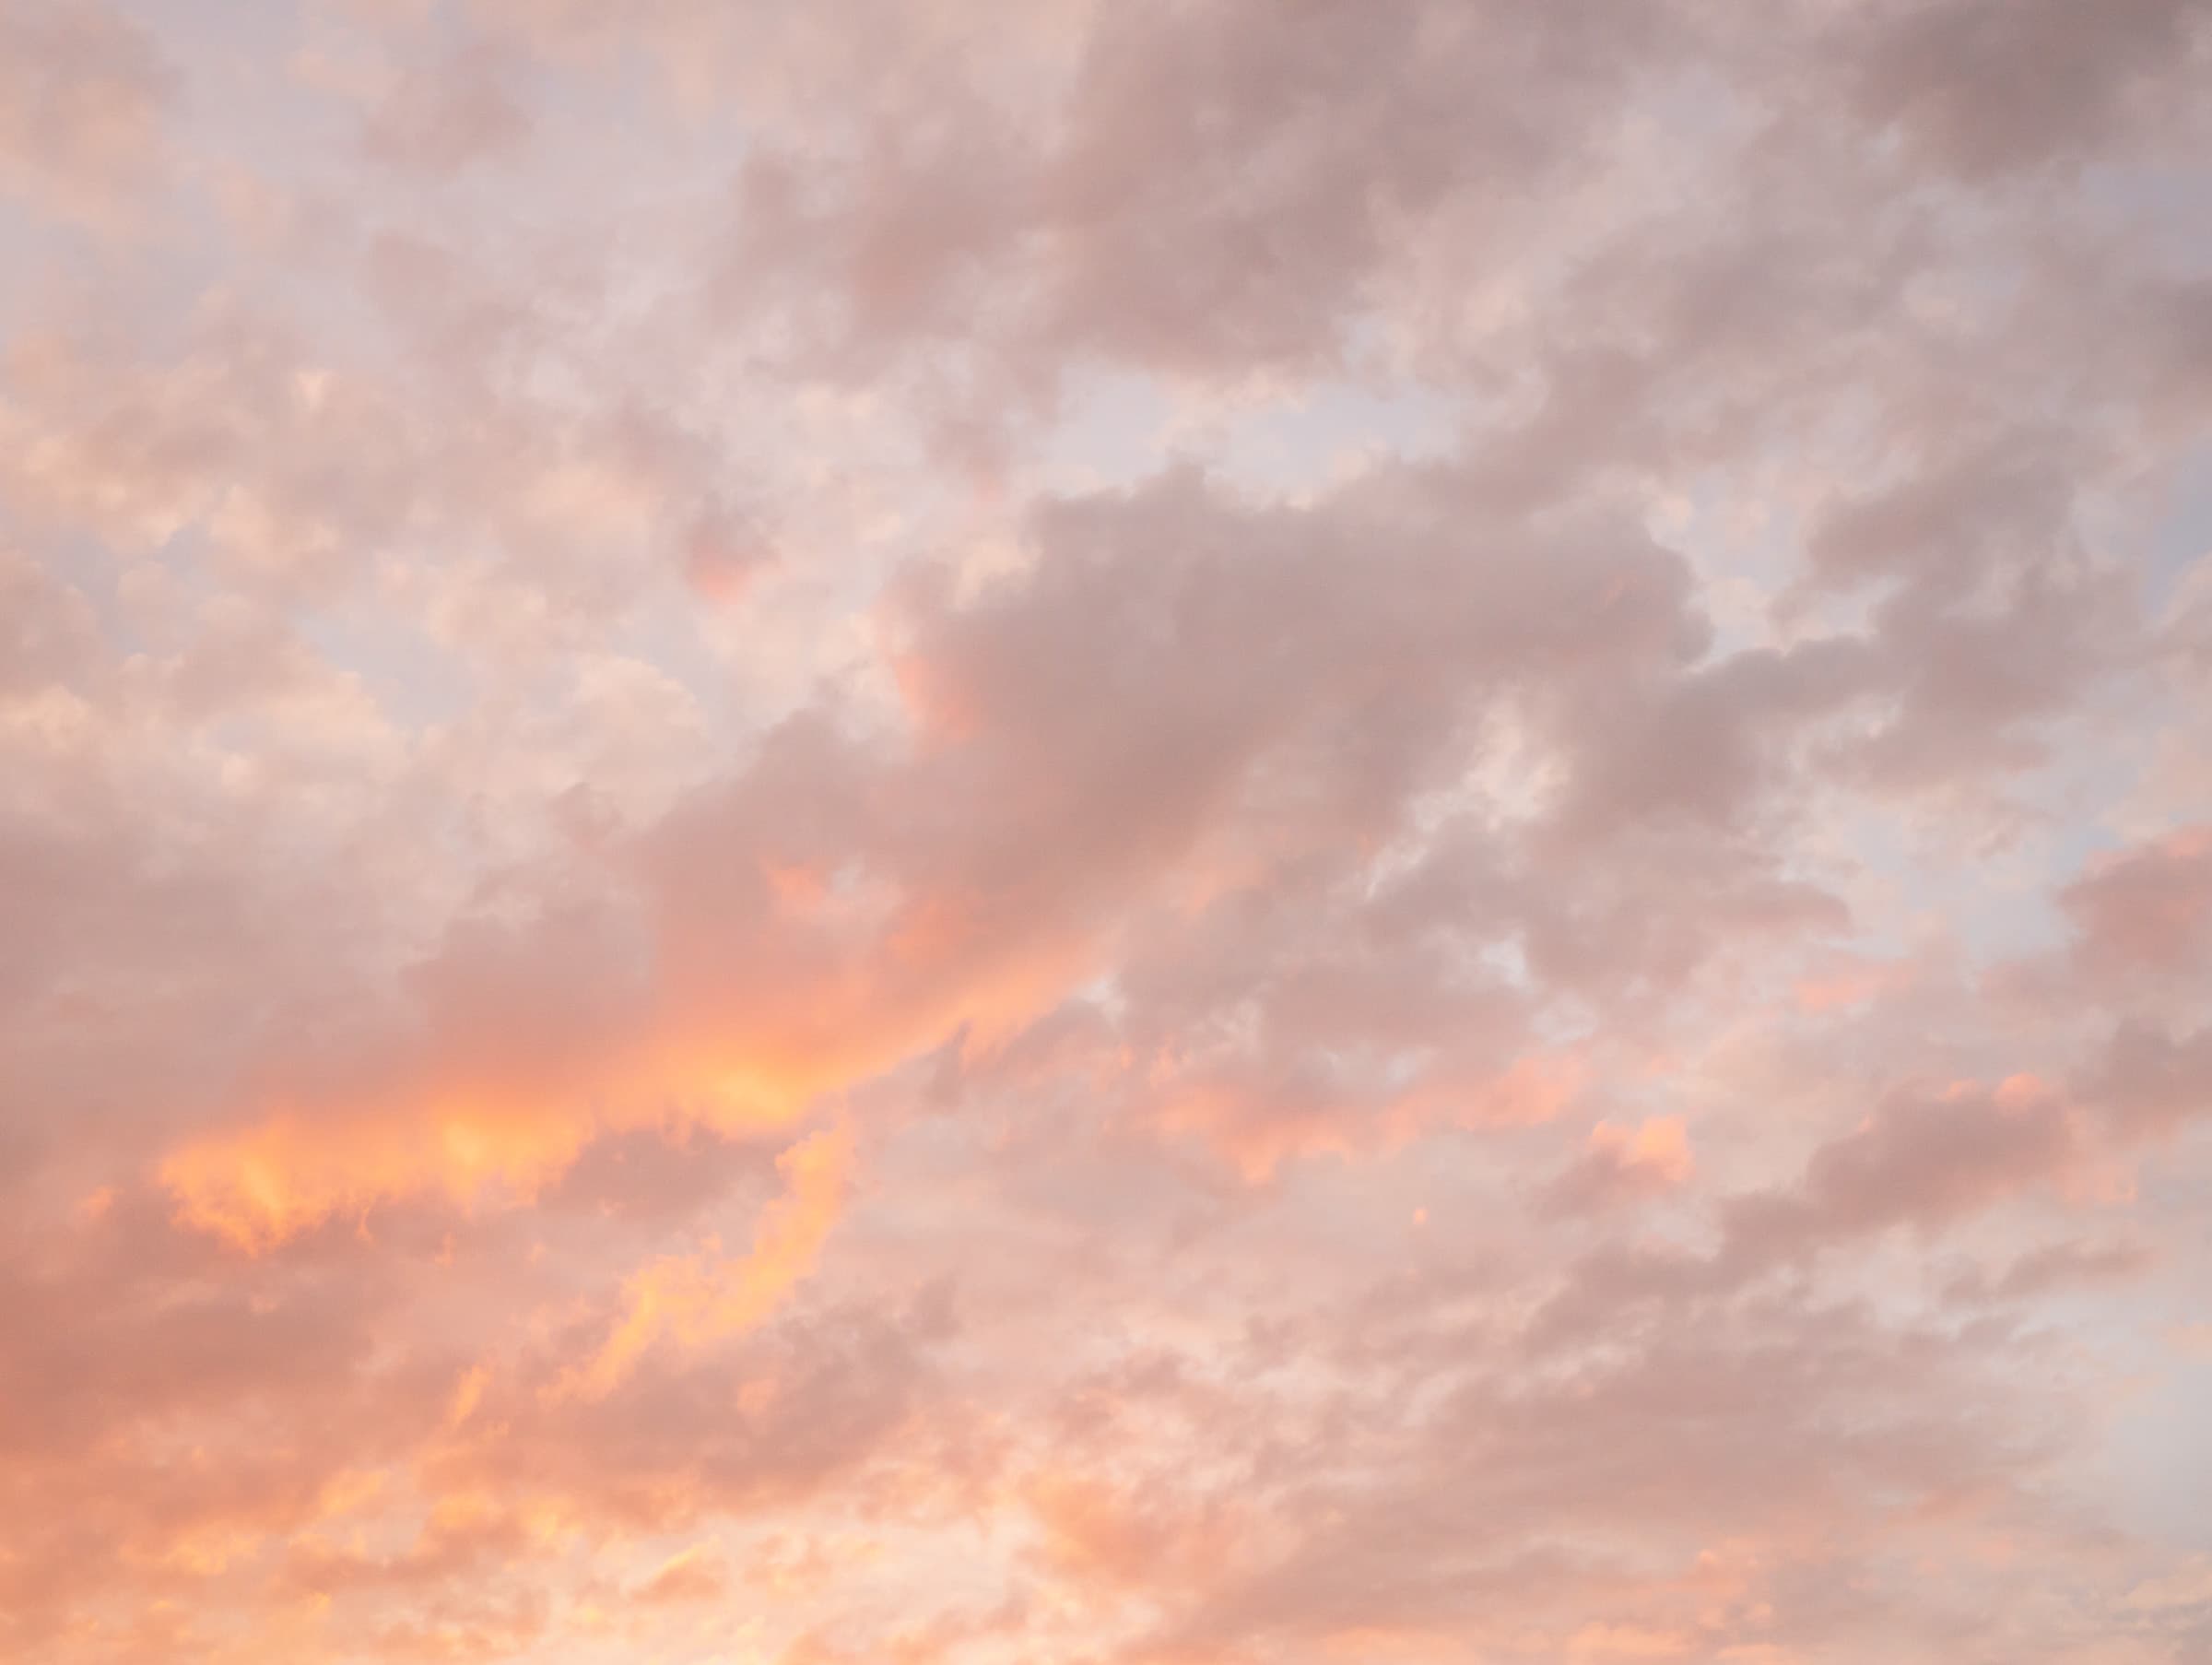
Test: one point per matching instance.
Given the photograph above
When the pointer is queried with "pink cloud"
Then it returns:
(1620, 1165)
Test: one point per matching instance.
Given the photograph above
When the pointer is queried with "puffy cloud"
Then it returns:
(2147, 910)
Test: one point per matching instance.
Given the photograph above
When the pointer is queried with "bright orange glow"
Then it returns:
(701, 1299)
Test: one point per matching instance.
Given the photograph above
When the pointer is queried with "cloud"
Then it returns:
(1619, 1165)
(1179, 833)
(1986, 95)
(699, 1300)
(84, 101)
(2147, 910)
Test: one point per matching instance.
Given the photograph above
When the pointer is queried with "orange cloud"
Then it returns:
(1619, 1165)
(506, 1139)
(699, 1299)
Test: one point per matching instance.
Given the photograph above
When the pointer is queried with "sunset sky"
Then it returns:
(1105, 832)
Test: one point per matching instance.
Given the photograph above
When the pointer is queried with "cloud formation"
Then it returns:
(1149, 834)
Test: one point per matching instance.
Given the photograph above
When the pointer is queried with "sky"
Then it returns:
(1106, 832)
